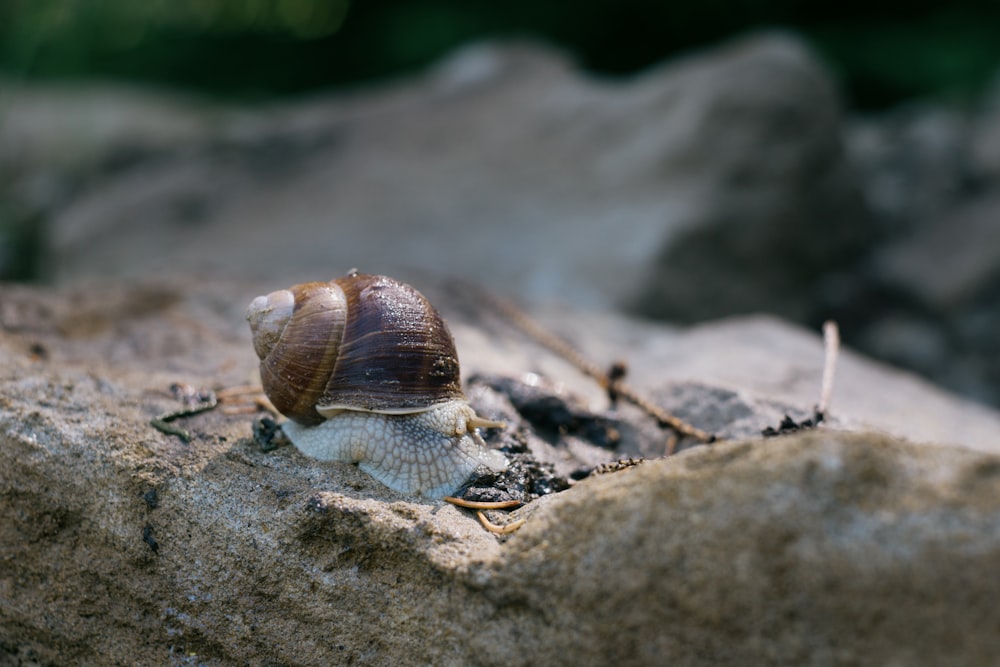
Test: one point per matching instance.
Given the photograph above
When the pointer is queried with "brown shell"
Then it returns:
(360, 342)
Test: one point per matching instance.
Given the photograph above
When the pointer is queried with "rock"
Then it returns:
(913, 164)
(817, 549)
(925, 297)
(777, 207)
(502, 171)
(507, 144)
(729, 181)
(771, 365)
(78, 126)
(950, 264)
(985, 144)
(125, 545)
(950, 274)
(930, 294)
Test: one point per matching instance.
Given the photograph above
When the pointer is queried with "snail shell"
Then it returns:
(366, 370)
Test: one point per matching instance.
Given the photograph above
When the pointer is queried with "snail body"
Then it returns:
(366, 371)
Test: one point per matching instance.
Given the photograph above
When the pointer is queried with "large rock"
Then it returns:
(123, 545)
(930, 293)
(778, 209)
(582, 186)
(821, 549)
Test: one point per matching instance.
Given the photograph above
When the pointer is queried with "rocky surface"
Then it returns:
(730, 181)
(727, 182)
(121, 544)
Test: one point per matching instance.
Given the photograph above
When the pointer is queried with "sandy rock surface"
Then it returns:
(713, 185)
(124, 545)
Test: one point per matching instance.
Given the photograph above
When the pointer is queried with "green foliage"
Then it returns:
(262, 48)
(943, 53)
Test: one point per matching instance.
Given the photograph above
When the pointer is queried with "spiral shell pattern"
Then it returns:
(360, 342)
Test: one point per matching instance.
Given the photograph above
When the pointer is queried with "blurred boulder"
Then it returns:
(927, 297)
(948, 274)
(985, 146)
(774, 207)
(505, 164)
(912, 163)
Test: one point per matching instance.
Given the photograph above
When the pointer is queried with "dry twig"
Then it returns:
(505, 529)
(195, 401)
(831, 344)
(479, 506)
(611, 381)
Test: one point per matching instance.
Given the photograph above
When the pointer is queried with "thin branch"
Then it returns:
(482, 504)
(504, 529)
(831, 343)
(610, 382)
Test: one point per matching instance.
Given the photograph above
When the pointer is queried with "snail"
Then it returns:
(366, 371)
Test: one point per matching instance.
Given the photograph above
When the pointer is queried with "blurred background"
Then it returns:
(655, 158)
(882, 52)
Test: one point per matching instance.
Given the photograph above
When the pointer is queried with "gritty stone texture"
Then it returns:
(854, 544)
(123, 545)
(819, 549)
(760, 366)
